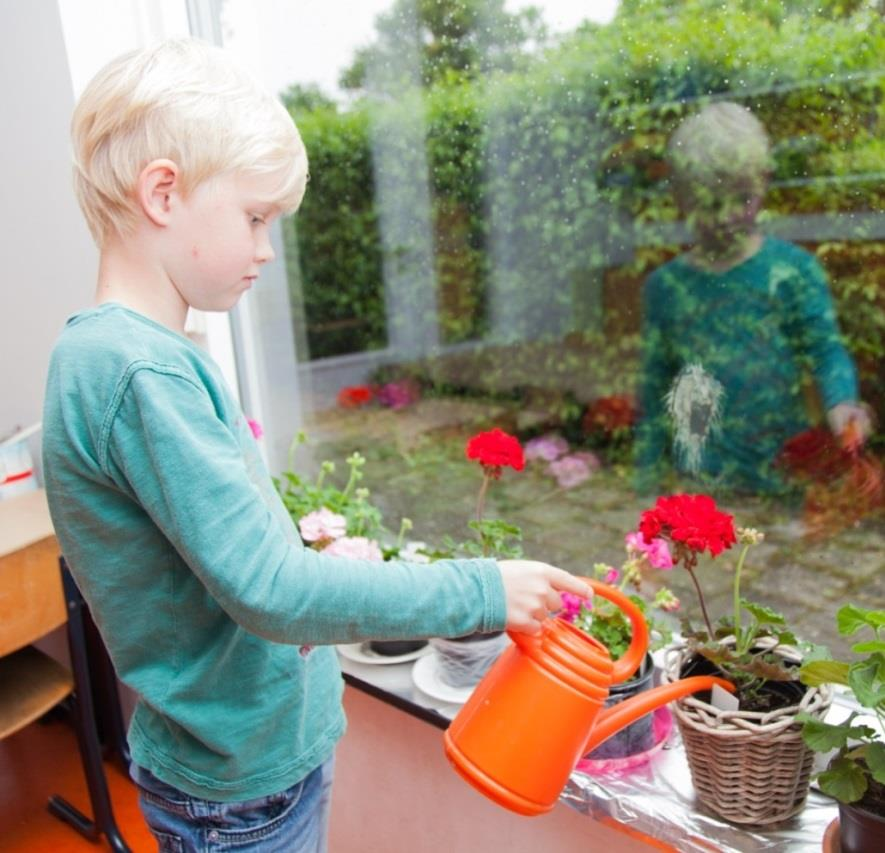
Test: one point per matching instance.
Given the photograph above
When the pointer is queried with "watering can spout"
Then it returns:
(611, 720)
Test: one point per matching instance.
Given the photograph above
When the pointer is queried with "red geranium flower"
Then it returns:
(815, 454)
(609, 414)
(494, 450)
(354, 396)
(690, 520)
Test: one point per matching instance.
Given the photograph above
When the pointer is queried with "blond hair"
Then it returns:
(723, 141)
(186, 101)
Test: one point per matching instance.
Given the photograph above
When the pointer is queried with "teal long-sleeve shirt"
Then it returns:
(753, 330)
(205, 596)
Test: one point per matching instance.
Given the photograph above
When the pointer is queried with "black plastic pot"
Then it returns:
(394, 648)
(639, 735)
(785, 693)
(860, 831)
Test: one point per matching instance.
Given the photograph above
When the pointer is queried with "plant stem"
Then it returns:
(354, 476)
(481, 498)
(480, 507)
(290, 457)
(697, 586)
(404, 526)
(737, 600)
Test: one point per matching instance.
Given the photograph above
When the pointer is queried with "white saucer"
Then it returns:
(361, 653)
(425, 674)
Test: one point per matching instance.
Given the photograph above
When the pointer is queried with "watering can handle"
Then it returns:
(631, 660)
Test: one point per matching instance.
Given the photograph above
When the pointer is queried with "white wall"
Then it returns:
(47, 260)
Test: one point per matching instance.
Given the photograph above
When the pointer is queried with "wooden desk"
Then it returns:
(29, 555)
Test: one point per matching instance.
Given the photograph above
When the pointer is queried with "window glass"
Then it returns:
(647, 242)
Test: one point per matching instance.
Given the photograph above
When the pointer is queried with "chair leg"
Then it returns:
(106, 696)
(87, 735)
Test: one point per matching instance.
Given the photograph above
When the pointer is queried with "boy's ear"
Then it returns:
(158, 183)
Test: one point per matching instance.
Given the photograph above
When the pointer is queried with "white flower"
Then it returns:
(322, 524)
(411, 553)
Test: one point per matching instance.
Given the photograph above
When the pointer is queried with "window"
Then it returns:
(653, 236)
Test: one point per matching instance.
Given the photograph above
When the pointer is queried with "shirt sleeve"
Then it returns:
(814, 330)
(167, 445)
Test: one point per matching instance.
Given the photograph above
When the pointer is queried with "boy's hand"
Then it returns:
(532, 590)
(851, 422)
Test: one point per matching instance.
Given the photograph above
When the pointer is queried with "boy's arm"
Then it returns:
(165, 443)
(816, 335)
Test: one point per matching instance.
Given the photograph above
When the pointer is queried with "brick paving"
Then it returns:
(416, 468)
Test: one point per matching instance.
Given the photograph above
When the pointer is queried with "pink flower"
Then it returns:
(257, 431)
(355, 547)
(398, 394)
(322, 524)
(657, 552)
(546, 448)
(571, 606)
(611, 576)
(659, 555)
(572, 470)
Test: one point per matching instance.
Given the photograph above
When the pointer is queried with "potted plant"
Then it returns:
(464, 660)
(610, 626)
(747, 758)
(344, 522)
(855, 776)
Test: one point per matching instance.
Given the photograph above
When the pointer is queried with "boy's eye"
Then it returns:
(257, 219)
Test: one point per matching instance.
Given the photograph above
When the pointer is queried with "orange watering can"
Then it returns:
(537, 710)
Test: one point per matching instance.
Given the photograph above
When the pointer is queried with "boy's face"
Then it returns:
(723, 214)
(219, 240)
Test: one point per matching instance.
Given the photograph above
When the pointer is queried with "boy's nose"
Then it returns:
(264, 251)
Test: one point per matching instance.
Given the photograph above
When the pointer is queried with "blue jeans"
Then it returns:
(292, 821)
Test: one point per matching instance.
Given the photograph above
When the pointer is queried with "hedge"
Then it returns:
(549, 188)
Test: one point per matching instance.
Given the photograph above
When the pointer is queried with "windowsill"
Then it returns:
(655, 800)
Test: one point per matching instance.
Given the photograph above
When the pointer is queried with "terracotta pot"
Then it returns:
(831, 838)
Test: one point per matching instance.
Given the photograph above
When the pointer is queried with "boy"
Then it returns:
(730, 327)
(206, 598)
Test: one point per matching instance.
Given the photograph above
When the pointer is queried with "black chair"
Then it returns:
(38, 595)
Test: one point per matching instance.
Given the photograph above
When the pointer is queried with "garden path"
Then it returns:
(416, 467)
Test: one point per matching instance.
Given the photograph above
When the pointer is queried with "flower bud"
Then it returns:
(749, 536)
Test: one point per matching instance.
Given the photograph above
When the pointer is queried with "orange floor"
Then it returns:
(42, 760)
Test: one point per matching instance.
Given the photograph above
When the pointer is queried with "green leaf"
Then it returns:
(815, 652)
(875, 759)
(821, 736)
(844, 780)
(850, 619)
(869, 647)
(865, 682)
(764, 615)
(815, 673)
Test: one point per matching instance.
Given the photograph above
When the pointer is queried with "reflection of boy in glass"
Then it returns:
(730, 327)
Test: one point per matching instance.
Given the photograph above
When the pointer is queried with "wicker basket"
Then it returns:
(747, 767)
